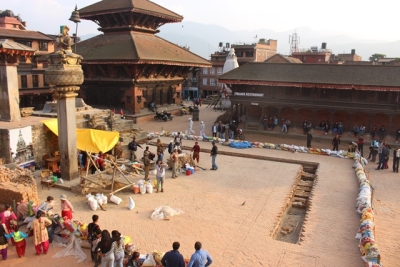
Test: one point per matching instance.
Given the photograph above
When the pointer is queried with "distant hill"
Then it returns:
(203, 39)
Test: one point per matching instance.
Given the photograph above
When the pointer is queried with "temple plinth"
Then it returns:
(10, 51)
(65, 75)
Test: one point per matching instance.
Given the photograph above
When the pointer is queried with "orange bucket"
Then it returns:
(136, 189)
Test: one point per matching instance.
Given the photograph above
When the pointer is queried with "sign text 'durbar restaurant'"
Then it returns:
(249, 94)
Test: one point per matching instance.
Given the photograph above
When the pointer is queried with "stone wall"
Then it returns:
(17, 185)
(44, 142)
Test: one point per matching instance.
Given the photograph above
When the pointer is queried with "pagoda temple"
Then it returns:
(129, 66)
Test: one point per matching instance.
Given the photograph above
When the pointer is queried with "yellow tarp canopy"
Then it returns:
(89, 139)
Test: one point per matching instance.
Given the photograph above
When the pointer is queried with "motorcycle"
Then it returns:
(183, 111)
(239, 134)
(160, 116)
(191, 108)
(169, 115)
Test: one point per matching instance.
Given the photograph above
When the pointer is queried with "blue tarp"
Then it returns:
(239, 145)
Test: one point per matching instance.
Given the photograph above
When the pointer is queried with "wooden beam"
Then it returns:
(100, 67)
(123, 18)
(116, 19)
(120, 189)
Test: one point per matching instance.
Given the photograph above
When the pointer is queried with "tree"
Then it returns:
(376, 57)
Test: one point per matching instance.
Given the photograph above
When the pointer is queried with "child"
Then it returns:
(134, 260)
(97, 258)
(19, 240)
(3, 241)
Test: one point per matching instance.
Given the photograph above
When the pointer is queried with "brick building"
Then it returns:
(33, 91)
(353, 94)
(129, 66)
(349, 57)
(257, 52)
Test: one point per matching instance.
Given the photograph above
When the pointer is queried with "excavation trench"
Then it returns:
(290, 222)
(291, 219)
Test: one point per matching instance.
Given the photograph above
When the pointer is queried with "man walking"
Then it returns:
(175, 162)
(190, 126)
(200, 258)
(202, 127)
(214, 152)
(173, 258)
(196, 152)
(309, 138)
(133, 145)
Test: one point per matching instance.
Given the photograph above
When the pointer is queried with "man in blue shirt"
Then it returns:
(200, 258)
(173, 258)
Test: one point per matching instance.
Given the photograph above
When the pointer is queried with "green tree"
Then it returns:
(376, 57)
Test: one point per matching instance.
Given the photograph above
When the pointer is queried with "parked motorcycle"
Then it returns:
(183, 111)
(169, 115)
(191, 108)
(239, 134)
(160, 116)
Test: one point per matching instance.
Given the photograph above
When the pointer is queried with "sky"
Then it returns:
(363, 20)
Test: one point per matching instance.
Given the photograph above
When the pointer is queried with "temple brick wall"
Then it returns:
(18, 185)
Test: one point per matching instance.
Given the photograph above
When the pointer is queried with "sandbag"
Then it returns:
(115, 199)
(142, 189)
(93, 203)
(149, 188)
(131, 204)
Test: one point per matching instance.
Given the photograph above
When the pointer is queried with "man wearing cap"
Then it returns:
(190, 126)
(202, 127)
(66, 207)
(214, 152)
(175, 163)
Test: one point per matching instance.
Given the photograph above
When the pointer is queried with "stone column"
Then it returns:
(65, 75)
(9, 93)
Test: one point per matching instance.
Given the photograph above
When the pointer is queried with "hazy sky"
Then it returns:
(359, 19)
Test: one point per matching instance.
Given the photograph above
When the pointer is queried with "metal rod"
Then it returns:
(76, 35)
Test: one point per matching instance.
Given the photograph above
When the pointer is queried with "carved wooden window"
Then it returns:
(204, 81)
(43, 46)
(205, 71)
(24, 81)
(239, 53)
(35, 80)
(212, 71)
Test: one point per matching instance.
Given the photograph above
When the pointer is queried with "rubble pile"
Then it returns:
(18, 185)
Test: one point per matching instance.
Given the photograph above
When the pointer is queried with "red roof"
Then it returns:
(138, 6)
(136, 48)
(23, 34)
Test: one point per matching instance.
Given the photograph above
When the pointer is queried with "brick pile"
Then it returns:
(18, 185)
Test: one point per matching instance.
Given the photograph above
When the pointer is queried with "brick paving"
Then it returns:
(240, 235)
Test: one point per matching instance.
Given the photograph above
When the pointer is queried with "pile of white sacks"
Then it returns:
(368, 247)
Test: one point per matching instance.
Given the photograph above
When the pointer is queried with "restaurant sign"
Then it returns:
(249, 94)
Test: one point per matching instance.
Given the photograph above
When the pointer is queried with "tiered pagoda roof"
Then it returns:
(129, 28)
